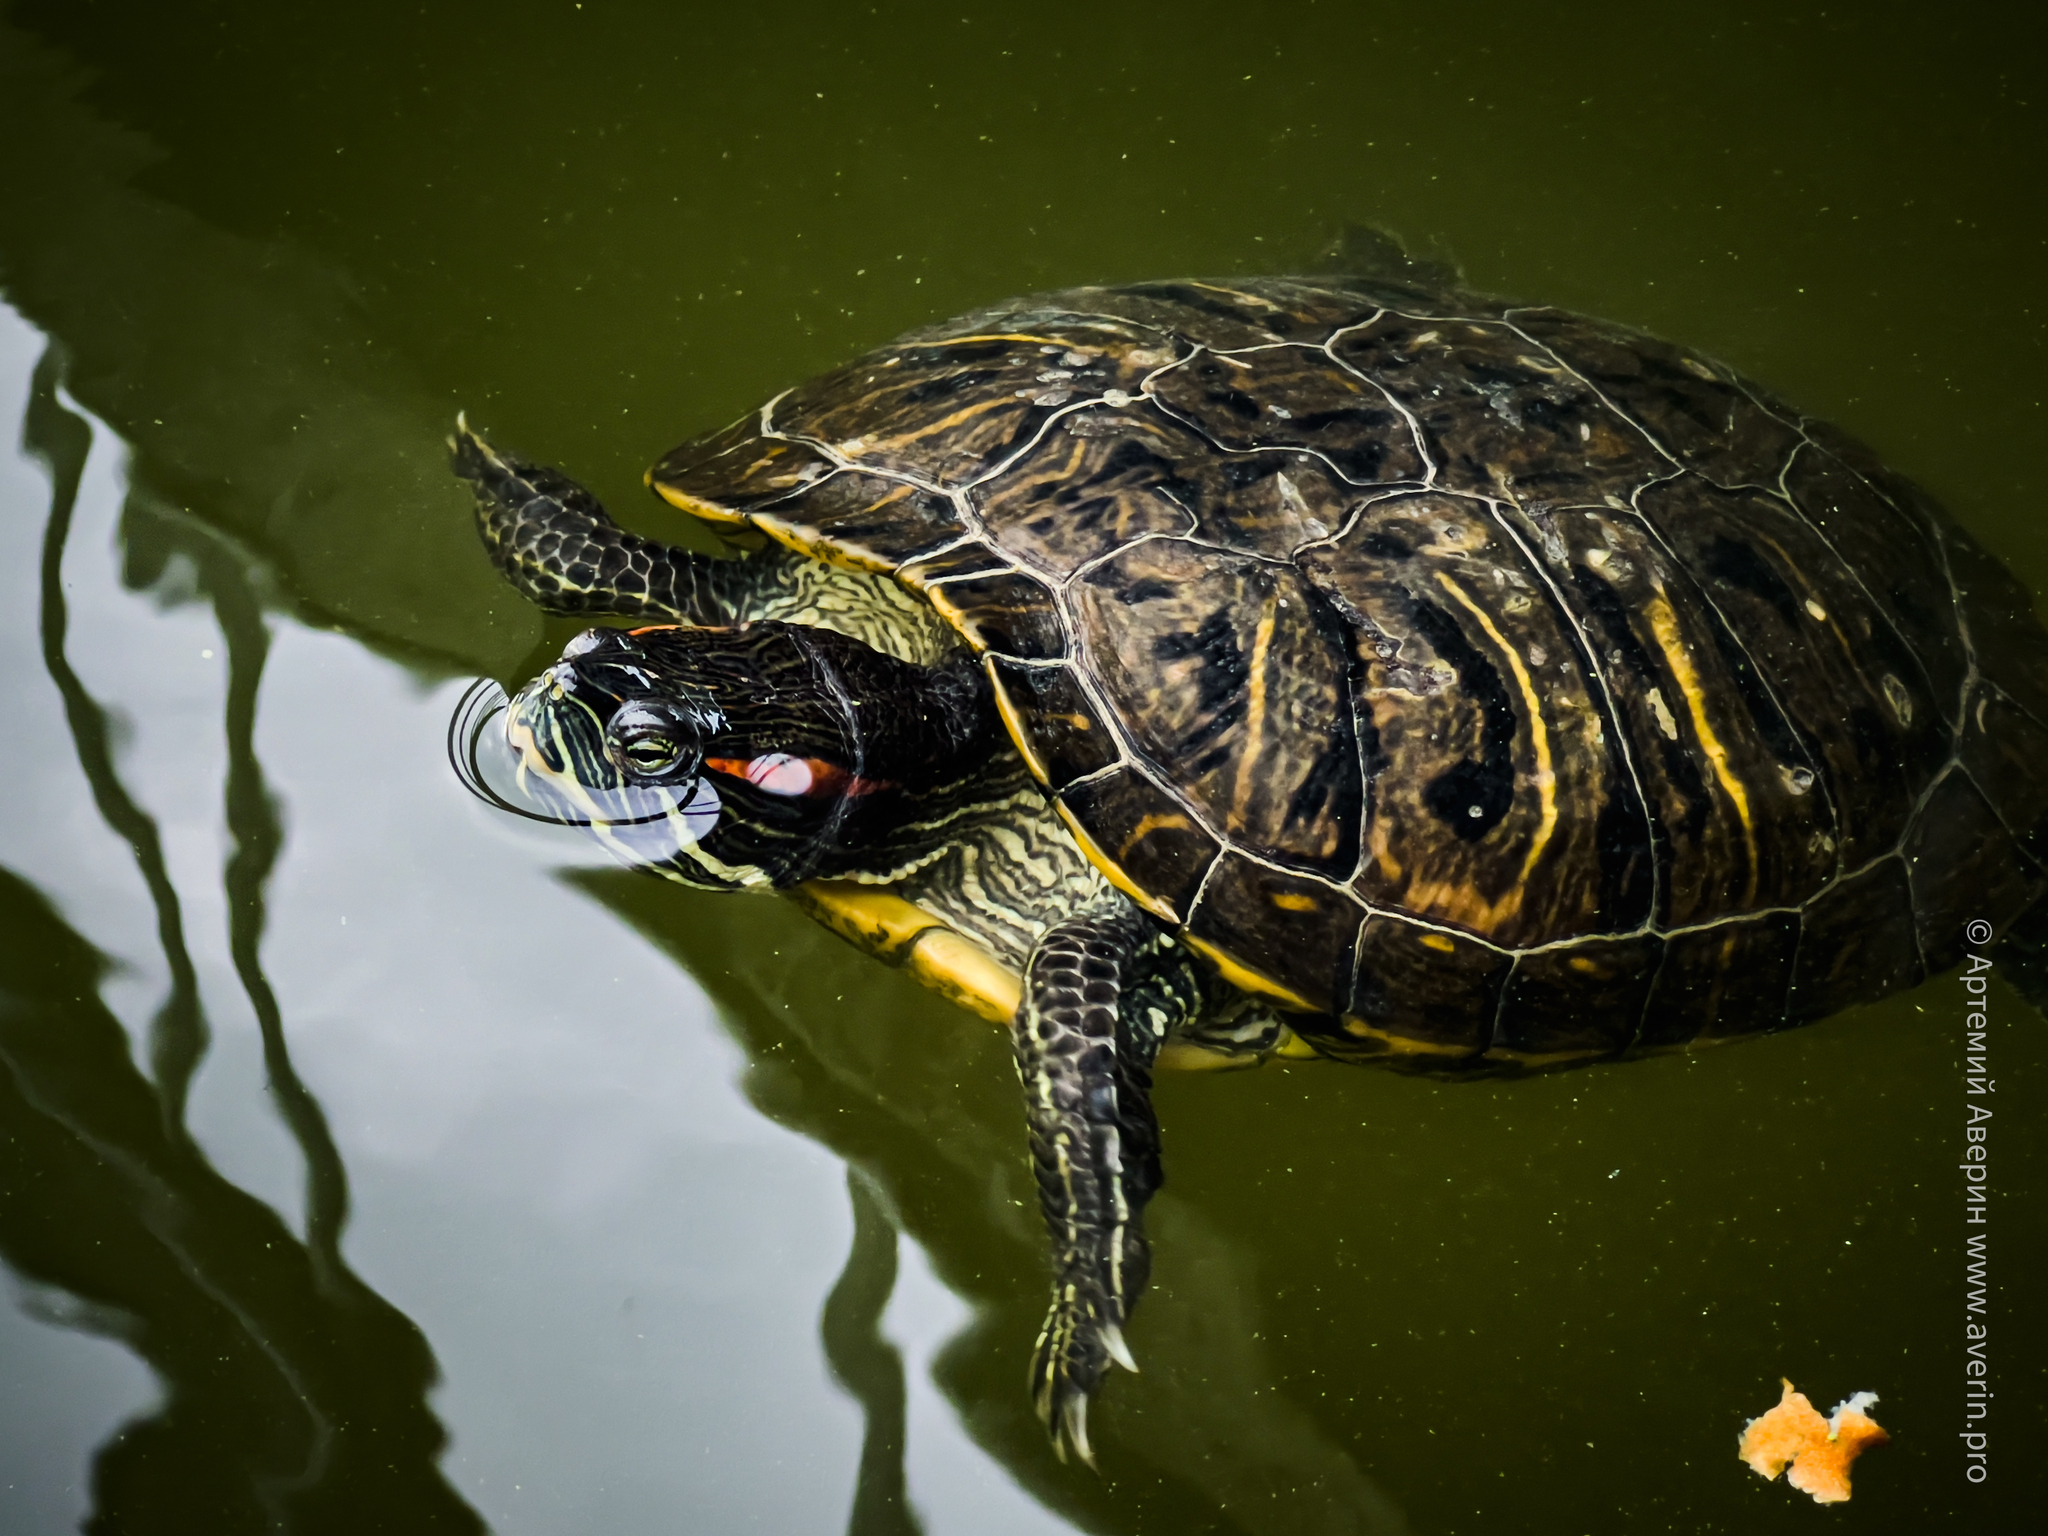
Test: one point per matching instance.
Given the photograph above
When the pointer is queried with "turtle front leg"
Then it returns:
(1102, 989)
(554, 542)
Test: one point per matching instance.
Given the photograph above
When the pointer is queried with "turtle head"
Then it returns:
(721, 758)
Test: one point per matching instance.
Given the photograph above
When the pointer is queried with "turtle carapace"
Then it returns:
(1197, 671)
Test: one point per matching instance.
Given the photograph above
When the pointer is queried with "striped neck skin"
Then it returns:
(759, 756)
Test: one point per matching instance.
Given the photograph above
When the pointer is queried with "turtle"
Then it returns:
(1345, 667)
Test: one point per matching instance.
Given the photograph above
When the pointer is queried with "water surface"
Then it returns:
(376, 1161)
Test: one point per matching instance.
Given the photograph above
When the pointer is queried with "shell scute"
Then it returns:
(1582, 999)
(1301, 931)
(1694, 411)
(2003, 630)
(1235, 314)
(948, 410)
(1959, 853)
(1807, 631)
(1293, 397)
(1726, 774)
(969, 557)
(1097, 480)
(1056, 722)
(862, 520)
(735, 470)
(1897, 557)
(1853, 944)
(2002, 748)
(1270, 504)
(1732, 978)
(1005, 611)
(1496, 415)
(1438, 989)
(1228, 675)
(1143, 838)
(1482, 731)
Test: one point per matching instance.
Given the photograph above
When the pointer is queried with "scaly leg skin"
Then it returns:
(552, 541)
(1102, 989)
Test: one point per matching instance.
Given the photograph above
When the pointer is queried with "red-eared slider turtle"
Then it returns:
(1321, 665)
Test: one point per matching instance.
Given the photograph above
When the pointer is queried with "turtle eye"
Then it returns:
(652, 741)
(651, 754)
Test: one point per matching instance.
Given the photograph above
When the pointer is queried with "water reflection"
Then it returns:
(868, 1365)
(60, 439)
(279, 1364)
(295, 1395)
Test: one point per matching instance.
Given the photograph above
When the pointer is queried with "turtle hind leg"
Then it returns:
(1102, 989)
(553, 541)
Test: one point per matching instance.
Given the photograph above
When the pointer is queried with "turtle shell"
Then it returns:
(1479, 682)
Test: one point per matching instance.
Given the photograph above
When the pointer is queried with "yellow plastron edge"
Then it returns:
(962, 972)
(892, 930)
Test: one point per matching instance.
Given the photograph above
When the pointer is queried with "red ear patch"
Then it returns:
(780, 774)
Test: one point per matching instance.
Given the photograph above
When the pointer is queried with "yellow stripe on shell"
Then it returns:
(1013, 722)
(810, 544)
(943, 425)
(1173, 821)
(1092, 851)
(1459, 901)
(1538, 1061)
(1539, 732)
(1245, 979)
(1236, 293)
(951, 613)
(1402, 1045)
(1255, 719)
(959, 341)
(1665, 625)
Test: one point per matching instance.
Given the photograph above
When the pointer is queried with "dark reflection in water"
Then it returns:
(868, 1365)
(294, 1395)
(61, 439)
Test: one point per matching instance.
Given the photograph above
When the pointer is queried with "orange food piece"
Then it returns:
(1818, 1450)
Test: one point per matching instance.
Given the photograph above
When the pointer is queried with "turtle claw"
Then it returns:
(1073, 1431)
(1074, 1350)
(1118, 1350)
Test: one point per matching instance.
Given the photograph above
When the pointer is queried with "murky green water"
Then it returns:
(368, 1161)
